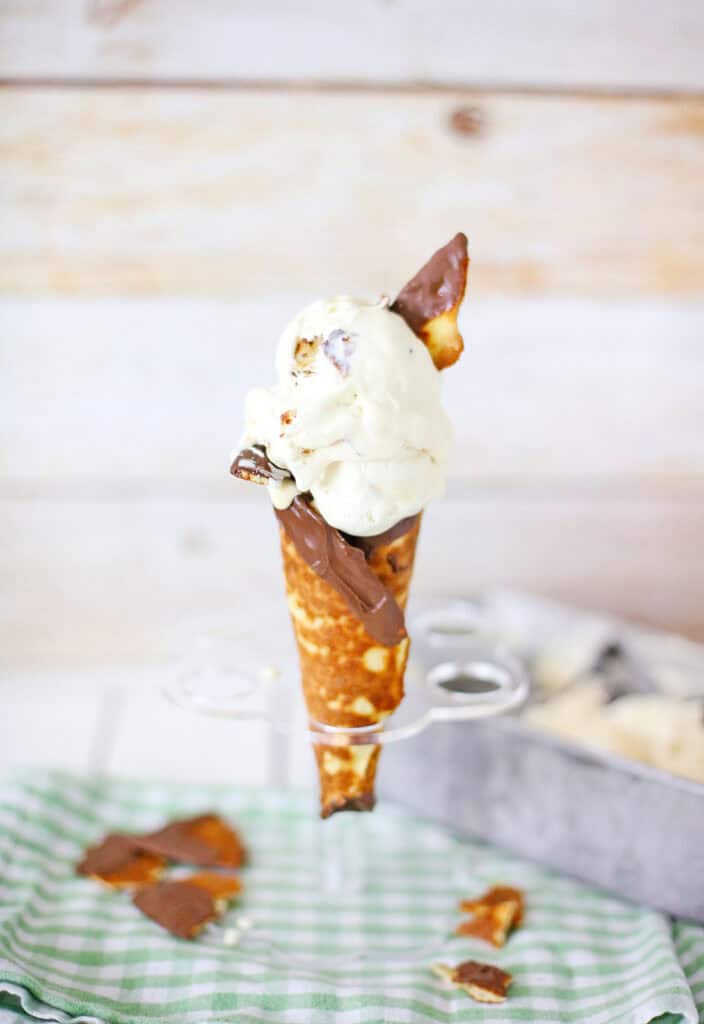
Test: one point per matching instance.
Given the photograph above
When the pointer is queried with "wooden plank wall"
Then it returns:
(172, 190)
(634, 44)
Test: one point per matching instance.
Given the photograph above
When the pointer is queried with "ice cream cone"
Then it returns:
(349, 679)
(351, 441)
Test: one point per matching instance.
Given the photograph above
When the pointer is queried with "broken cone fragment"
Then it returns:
(483, 982)
(494, 914)
(221, 887)
(251, 464)
(119, 862)
(184, 907)
(430, 302)
(180, 908)
(205, 840)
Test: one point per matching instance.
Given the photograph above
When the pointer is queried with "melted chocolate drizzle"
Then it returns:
(344, 566)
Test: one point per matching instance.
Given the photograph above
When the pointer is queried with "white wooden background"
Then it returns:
(176, 179)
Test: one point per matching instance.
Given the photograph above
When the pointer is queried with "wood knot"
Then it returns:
(467, 121)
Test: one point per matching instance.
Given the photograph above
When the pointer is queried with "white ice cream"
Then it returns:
(661, 731)
(355, 416)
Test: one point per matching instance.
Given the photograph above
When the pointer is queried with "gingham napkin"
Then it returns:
(72, 951)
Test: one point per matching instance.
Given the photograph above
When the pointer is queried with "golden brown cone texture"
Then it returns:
(348, 678)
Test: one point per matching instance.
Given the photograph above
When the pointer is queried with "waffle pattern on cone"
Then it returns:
(348, 678)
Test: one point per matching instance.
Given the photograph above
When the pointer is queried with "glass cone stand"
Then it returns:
(454, 675)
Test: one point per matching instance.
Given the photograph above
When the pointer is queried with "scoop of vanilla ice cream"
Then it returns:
(355, 416)
(661, 731)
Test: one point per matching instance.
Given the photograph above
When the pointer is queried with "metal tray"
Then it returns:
(624, 826)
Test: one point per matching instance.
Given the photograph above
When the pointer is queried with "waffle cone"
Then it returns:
(349, 679)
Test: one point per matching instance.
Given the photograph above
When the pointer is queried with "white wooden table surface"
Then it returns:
(178, 178)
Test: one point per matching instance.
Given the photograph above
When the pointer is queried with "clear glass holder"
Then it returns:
(479, 682)
(455, 676)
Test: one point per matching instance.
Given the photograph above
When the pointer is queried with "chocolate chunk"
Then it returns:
(118, 861)
(180, 907)
(345, 568)
(254, 465)
(205, 840)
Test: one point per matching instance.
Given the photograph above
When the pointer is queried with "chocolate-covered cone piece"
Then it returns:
(483, 982)
(112, 854)
(254, 465)
(186, 905)
(430, 301)
(119, 862)
(205, 840)
(179, 907)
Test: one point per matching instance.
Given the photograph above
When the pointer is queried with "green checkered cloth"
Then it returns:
(70, 950)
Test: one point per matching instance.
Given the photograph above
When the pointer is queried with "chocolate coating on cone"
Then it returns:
(345, 568)
(437, 287)
(331, 553)
(369, 544)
